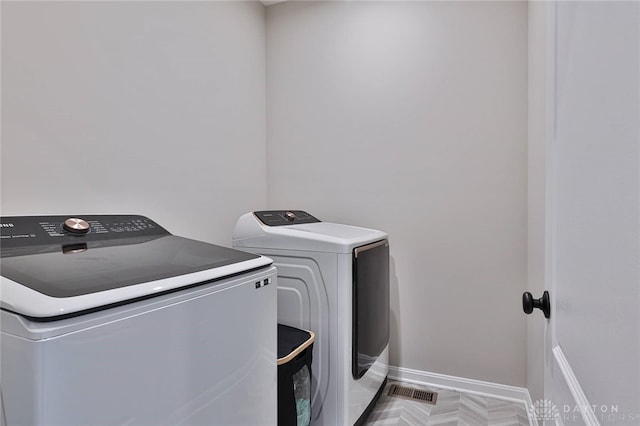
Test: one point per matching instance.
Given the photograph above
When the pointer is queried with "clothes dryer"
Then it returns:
(113, 320)
(333, 279)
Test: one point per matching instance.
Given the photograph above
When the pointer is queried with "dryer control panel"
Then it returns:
(284, 217)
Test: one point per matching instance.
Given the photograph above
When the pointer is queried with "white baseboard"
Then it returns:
(460, 384)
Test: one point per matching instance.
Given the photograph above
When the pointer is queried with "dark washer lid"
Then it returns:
(115, 257)
(58, 274)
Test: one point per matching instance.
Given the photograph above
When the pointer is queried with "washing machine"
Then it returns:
(333, 279)
(112, 320)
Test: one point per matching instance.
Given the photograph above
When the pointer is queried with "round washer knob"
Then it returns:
(290, 216)
(76, 225)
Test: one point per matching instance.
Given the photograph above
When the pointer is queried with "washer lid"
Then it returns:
(46, 280)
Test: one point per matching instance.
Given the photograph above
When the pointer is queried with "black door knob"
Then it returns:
(528, 303)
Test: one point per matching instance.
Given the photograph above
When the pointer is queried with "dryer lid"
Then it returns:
(309, 234)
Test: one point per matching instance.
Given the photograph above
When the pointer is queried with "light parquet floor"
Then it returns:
(452, 409)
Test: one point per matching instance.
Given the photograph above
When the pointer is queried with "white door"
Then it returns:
(592, 353)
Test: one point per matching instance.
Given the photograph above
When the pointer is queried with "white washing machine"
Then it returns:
(333, 279)
(111, 320)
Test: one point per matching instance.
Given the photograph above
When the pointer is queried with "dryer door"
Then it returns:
(370, 305)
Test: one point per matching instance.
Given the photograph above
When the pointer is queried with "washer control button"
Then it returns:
(76, 225)
(290, 216)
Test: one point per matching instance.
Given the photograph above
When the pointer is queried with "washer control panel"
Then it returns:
(23, 231)
(284, 217)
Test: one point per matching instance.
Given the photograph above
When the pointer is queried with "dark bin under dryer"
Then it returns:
(295, 350)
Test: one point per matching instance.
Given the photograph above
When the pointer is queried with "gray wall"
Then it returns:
(156, 108)
(408, 117)
(412, 118)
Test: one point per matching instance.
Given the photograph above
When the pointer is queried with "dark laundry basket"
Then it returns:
(295, 351)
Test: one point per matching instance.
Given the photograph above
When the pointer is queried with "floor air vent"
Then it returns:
(413, 394)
